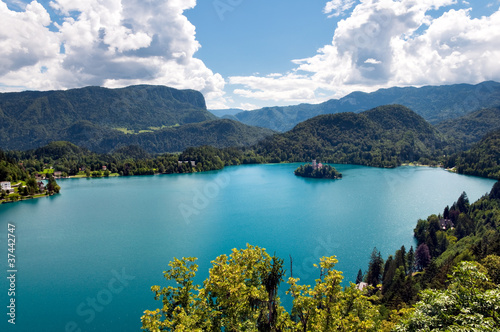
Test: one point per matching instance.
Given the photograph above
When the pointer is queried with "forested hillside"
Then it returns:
(218, 133)
(385, 137)
(469, 129)
(10, 169)
(483, 159)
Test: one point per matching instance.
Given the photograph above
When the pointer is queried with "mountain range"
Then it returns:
(161, 119)
(434, 103)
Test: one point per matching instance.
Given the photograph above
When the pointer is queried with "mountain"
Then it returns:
(471, 128)
(157, 118)
(433, 103)
(33, 118)
(218, 133)
(384, 136)
(223, 112)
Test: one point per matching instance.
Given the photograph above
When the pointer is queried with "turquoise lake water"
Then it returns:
(109, 240)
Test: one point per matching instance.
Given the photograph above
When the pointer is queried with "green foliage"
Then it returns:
(384, 137)
(131, 160)
(483, 159)
(469, 129)
(10, 170)
(470, 303)
(88, 117)
(325, 172)
(241, 294)
(375, 268)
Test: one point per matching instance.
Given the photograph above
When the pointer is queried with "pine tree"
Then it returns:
(375, 267)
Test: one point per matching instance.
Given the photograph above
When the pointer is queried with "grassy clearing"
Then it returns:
(127, 131)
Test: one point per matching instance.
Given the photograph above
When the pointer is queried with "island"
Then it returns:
(318, 171)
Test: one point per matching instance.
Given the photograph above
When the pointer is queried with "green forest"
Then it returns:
(386, 136)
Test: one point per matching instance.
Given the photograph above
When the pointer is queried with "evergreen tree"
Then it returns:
(410, 258)
(375, 267)
(359, 277)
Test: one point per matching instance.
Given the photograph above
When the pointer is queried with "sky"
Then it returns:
(248, 54)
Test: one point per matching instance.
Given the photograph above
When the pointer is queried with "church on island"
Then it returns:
(316, 165)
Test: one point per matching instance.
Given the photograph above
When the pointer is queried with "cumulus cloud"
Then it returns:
(105, 42)
(391, 43)
(338, 7)
(290, 87)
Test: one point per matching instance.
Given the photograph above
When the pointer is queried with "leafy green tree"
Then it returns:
(470, 303)
(422, 257)
(327, 308)
(492, 264)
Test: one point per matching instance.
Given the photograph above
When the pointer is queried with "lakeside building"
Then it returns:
(5, 185)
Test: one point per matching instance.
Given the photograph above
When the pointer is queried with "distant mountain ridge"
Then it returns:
(103, 119)
(226, 112)
(433, 103)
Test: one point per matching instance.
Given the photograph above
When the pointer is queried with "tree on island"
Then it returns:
(323, 172)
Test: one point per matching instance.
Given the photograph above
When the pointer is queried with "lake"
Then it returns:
(109, 240)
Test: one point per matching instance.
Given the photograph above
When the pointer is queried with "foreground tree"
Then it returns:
(241, 294)
(327, 307)
(471, 303)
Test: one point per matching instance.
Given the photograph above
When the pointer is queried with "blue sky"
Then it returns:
(249, 53)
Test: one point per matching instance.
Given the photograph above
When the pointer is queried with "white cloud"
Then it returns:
(248, 106)
(290, 87)
(391, 43)
(106, 42)
(338, 7)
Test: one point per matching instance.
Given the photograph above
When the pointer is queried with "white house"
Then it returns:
(5, 185)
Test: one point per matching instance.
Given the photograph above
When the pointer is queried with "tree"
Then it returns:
(374, 276)
(463, 203)
(241, 294)
(52, 186)
(492, 264)
(470, 303)
(327, 308)
(422, 257)
(359, 277)
(446, 213)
